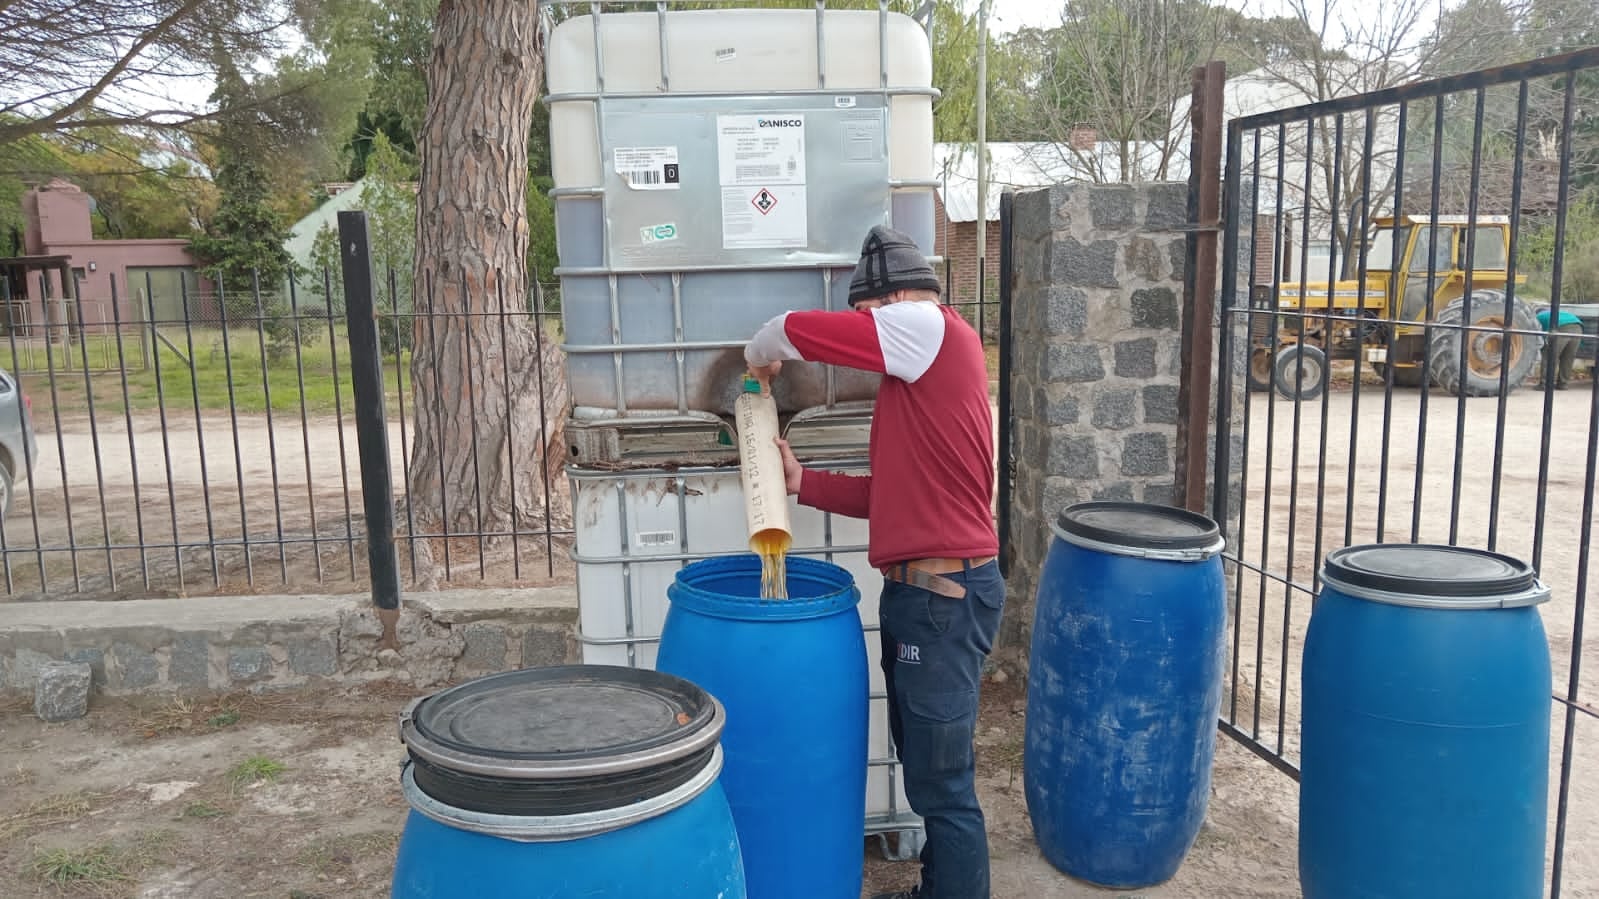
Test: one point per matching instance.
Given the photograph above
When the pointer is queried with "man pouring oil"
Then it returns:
(927, 502)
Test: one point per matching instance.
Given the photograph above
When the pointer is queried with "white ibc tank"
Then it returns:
(740, 51)
(713, 169)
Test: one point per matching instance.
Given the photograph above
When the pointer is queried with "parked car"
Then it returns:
(18, 447)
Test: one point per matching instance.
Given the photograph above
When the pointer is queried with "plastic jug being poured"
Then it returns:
(765, 495)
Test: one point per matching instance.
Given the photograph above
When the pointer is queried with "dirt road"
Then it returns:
(268, 797)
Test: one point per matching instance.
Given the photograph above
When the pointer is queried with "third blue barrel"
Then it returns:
(792, 675)
(1425, 742)
(1123, 691)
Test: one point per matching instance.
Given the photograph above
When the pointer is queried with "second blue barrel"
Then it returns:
(1124, 686)
(792, 675)
(1425, 743)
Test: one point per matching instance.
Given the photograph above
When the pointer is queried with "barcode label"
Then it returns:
(647, 168)
(656, 539)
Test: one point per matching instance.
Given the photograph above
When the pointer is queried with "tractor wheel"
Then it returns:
(1259, 369)
(1404, 375)
(1300, 372)
(1488, 355)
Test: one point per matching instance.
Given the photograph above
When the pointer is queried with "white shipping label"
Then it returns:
(763, 217)
(761, 150)
(648, 168)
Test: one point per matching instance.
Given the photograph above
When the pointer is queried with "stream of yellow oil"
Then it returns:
(772, 546)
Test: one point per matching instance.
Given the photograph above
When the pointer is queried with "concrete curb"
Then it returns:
(280, 642)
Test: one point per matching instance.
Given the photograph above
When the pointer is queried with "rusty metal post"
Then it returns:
(1199, 283)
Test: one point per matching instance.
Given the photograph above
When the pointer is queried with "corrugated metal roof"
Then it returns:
(1023, 165)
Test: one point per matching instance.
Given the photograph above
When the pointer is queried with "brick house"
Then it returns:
(67, 276)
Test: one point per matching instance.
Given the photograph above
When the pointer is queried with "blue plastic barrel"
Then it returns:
(792, 674)
(1123, 690)
(584, 780)
(1424, 761)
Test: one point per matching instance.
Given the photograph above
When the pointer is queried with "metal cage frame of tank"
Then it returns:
(882, 815)
(832, 270)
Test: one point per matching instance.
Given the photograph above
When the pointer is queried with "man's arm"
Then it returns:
(900, 339)
(825, 490)
(841, 494)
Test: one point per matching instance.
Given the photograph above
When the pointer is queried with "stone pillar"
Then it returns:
(1096, 352)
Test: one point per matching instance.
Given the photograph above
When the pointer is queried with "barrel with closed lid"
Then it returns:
(1425, 738)
(592, 781)
(1123, 691)
(792, 673)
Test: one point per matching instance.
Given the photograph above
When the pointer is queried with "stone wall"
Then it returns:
(282, 642)
(1096, 361)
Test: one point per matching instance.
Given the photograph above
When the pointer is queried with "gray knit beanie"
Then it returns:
(890, 261)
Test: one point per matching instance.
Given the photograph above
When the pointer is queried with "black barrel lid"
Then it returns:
(1422, 569)
(1140, 526)
(559, 718)
(562, 740)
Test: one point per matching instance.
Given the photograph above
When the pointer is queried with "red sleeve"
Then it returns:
(841, 494)
(845, 337)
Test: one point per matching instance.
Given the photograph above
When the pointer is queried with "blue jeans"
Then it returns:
(933, 651)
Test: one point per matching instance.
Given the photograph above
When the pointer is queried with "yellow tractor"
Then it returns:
(1343, 321)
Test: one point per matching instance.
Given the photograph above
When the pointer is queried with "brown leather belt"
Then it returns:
(928, 574)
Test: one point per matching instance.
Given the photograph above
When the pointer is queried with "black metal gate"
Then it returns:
(1384, 261)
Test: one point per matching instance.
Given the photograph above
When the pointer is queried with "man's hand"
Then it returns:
(765, 374)
(792, 470)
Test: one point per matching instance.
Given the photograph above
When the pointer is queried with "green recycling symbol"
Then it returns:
(652, 233)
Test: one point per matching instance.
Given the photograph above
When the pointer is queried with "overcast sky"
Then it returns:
(1009, 15)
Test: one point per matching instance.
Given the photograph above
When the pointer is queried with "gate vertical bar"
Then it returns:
(1199, 283)
(371, 431)
(1007, 468)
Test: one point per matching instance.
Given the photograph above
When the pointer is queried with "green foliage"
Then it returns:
(242, 244)
(325, 258)
(1579, 263)
(541, 255)
(390, 203)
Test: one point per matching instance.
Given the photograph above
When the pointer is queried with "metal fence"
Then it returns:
(180, 451)
(1359, 428)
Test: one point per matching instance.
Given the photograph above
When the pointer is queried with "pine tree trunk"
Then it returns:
(478, 364)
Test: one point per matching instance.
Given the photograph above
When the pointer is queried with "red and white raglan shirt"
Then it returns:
(931, 448)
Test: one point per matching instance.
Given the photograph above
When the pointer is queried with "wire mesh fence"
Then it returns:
(204, 442)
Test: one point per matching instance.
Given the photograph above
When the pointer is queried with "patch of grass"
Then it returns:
(218, 374)
(342, 851)
(224, 718)
(63, 808)
(103, 865)
(180, 715)
(177, 715)
(256, 769)
(203, 811)
(92, 865)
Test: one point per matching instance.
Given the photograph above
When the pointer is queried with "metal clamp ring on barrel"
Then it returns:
(556, 828)
(1140, 552)
(420, 745)
(1537, 593)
